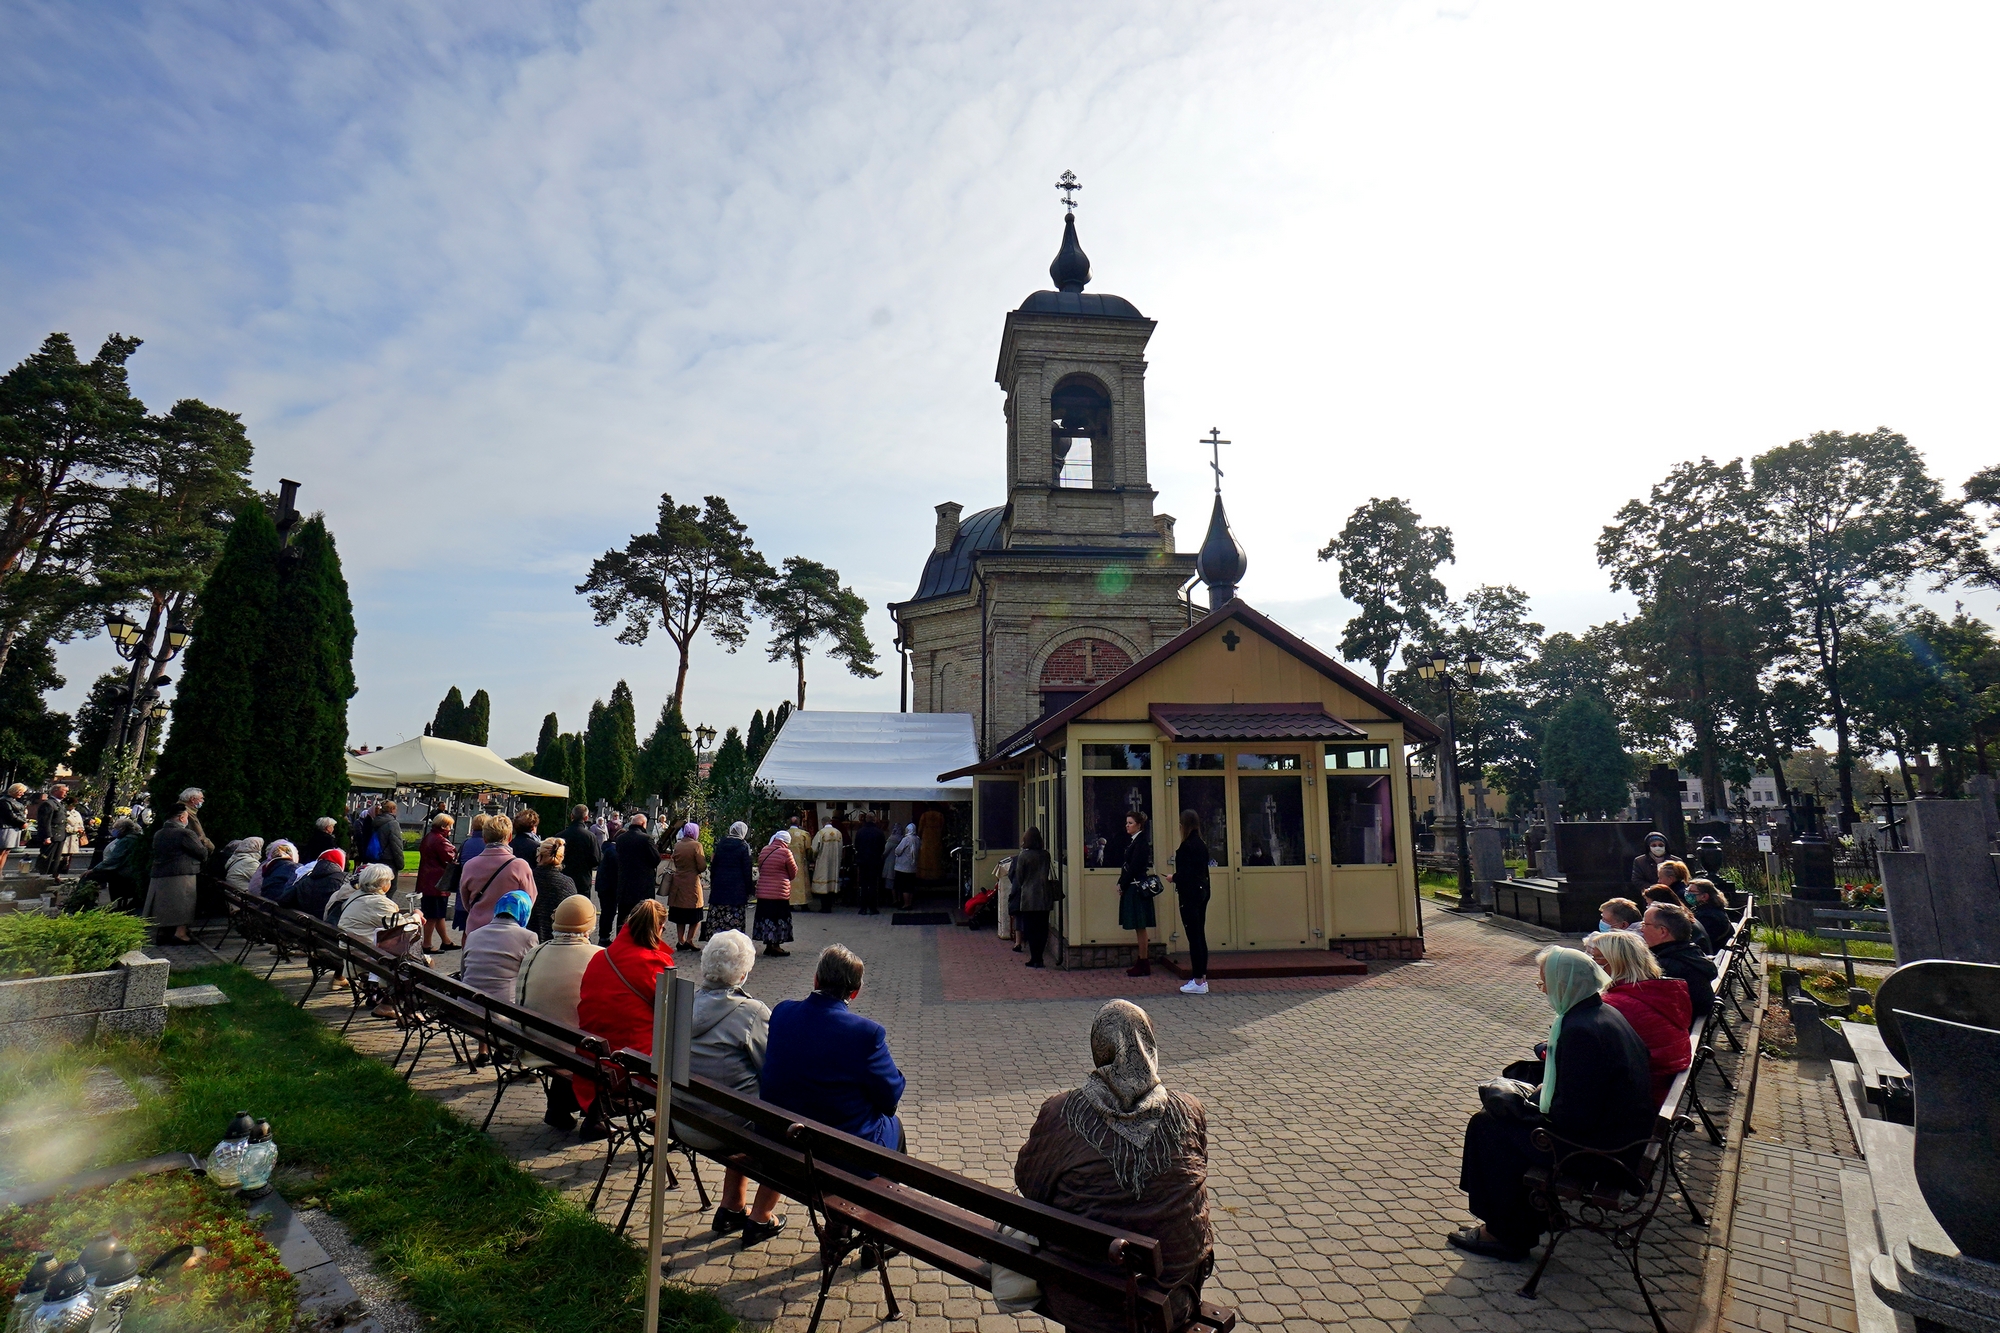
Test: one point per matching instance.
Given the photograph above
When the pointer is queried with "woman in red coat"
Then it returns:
(1658, 1007)
(616, 998)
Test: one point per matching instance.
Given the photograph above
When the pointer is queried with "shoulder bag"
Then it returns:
(1510, 1099)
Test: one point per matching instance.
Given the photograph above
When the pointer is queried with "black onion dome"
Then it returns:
(1071, 274)
(1070, 271)
(1222, 562)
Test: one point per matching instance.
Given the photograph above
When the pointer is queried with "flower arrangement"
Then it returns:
(239, 1283)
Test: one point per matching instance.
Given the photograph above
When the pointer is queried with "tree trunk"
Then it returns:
(1776, 759)
(799, 660)
(681, 674)
(7, 637)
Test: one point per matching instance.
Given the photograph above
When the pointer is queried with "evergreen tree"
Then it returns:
(776, 723)
(755, 740)
(478, 717)
(297, 764)
(610, 752)
(220, 683)
(625, 736)
(34, 740)
(666, 761)
(550, 762)
(806, 604)
(573, 776)
(449, 725)
(729, 775)
(1583, 755)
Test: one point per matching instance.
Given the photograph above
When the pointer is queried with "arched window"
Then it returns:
(1077, 668)
(1080, 433)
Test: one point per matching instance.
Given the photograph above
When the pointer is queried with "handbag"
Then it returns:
(1015, 1293)
(1152, 886)
(1510, 1099)
(447, 885)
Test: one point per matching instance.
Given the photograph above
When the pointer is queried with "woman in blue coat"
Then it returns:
(731, 880)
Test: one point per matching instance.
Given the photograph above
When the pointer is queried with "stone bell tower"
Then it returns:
(1030, 604)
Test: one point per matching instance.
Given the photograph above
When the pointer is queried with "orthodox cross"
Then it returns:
(1069, 185)
(1215, 443)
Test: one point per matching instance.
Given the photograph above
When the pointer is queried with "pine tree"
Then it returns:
(219, 685)
(449, 724)
(297, 764)
(666, 761)
(478, 717)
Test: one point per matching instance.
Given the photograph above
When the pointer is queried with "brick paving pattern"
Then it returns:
(1336, 1110)
(1788, 1263)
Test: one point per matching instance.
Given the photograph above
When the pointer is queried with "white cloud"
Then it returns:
(488, 279)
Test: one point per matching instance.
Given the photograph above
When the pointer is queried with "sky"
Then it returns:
(489, 278)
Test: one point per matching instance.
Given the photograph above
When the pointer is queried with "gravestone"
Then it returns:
(1489, 863)
(1551, 796)
(1664, 785)
(1597, 863)
(1984, 788)
(1943, 894)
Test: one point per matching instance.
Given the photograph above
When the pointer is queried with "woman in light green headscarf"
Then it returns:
(1603, 1100)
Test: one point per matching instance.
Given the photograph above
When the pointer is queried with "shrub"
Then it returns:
(40, 946)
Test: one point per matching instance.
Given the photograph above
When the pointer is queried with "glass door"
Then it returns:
(1274, 885)
(1201, 784)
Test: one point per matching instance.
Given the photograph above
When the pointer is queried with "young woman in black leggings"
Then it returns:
(1190, 881)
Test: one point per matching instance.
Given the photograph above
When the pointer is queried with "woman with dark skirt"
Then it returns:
(1135, 905)
(776, 869)
(1190, 881)
(1596, 1092)
(731, 880)
(1032, 900)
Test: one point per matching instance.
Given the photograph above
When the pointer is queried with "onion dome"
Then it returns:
(1222, 562)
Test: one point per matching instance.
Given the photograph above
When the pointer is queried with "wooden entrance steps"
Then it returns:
(1274, 963)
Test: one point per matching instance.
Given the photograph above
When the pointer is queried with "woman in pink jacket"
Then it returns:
(776, 869)
(492, 875)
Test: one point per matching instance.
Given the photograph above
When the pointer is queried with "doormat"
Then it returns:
(920, 919)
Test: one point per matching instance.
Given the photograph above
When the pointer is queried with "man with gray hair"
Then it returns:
(830, 1063)
(1668, 930)
(321, 839)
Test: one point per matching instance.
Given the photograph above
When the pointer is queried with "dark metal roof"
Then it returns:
(1101, 304)
(950, 571)
(1252, 722)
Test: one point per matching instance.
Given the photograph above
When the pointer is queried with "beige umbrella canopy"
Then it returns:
(428, 761)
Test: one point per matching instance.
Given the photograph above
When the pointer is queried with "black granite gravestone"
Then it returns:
(1596, 859)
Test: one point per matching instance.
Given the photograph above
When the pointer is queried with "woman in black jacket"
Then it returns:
(1135, 905)
(552, 885)
(1596, 1092)
(1032, 899)
(1190, 880)
(1711, 913)
(731, 881)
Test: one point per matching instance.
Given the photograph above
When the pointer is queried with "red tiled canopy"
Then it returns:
(1252, 722)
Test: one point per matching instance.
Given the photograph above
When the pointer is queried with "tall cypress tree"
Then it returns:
(478, 718)
(666, 761)
(624, 729)
(449, 724)
(600, 760)
(755, 738)
(298, 763)
(550, 763)
(573, 776)
(214, 732)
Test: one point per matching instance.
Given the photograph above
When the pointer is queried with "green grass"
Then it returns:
(477, 1244)
(32, 945)
(1804, 944)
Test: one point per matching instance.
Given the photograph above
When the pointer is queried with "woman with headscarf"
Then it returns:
(902, 864)
(776, 869)
(1123, 1150)
(731, 880)
(493, 953)
(246, 856)
(1595, 1092)
(178, 851)
(312, 891)
(681, 873)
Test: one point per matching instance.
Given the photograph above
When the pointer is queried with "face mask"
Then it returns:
(1690, 898)
(1608, 927)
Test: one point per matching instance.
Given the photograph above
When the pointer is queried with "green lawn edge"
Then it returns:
(475, 1243)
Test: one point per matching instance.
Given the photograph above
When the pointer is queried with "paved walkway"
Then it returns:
(1336, 1108)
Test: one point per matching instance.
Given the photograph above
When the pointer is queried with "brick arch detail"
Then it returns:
(1061, 664)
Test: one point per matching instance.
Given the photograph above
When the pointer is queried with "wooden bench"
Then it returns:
(862, 1197)
(1611, 1192)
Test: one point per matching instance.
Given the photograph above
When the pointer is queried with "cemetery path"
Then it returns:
(1336, 1110)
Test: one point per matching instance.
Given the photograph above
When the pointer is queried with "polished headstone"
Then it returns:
(1956, 1069)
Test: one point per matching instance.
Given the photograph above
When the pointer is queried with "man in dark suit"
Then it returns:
(1669, 932)
(869, 845)
(828, 1062)
(580, 849)
(636, 858)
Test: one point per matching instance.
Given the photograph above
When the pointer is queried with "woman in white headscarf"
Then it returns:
(1124, 1150)
(902, 860)
(246, 859)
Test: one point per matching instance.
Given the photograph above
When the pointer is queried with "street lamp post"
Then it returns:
(141, 704)
(1437, 667)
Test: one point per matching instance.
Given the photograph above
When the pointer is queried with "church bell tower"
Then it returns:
(1023, 607)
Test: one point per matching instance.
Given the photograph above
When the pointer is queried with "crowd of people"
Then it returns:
(1624, 1006)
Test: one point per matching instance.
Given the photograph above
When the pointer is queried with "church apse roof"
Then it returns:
(948, 572)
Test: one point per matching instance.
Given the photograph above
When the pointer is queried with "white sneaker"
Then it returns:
(1195, 988)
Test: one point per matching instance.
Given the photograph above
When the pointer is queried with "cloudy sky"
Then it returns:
(490, 277)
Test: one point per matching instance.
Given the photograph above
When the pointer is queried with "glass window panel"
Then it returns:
(1198, 761)
(1276, 763)
(1357, 756)
(999, 815)
(1106, 802)
(1126, 758)
(1208, 798)
(1362, 819)
(1273, 831)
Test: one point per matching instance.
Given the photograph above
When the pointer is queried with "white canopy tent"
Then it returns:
(428, 761)
(828, 756)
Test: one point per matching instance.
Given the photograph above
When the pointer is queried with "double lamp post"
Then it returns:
(1437, 667)
(141, 704)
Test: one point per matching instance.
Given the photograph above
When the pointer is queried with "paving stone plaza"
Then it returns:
(1336, 1107)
